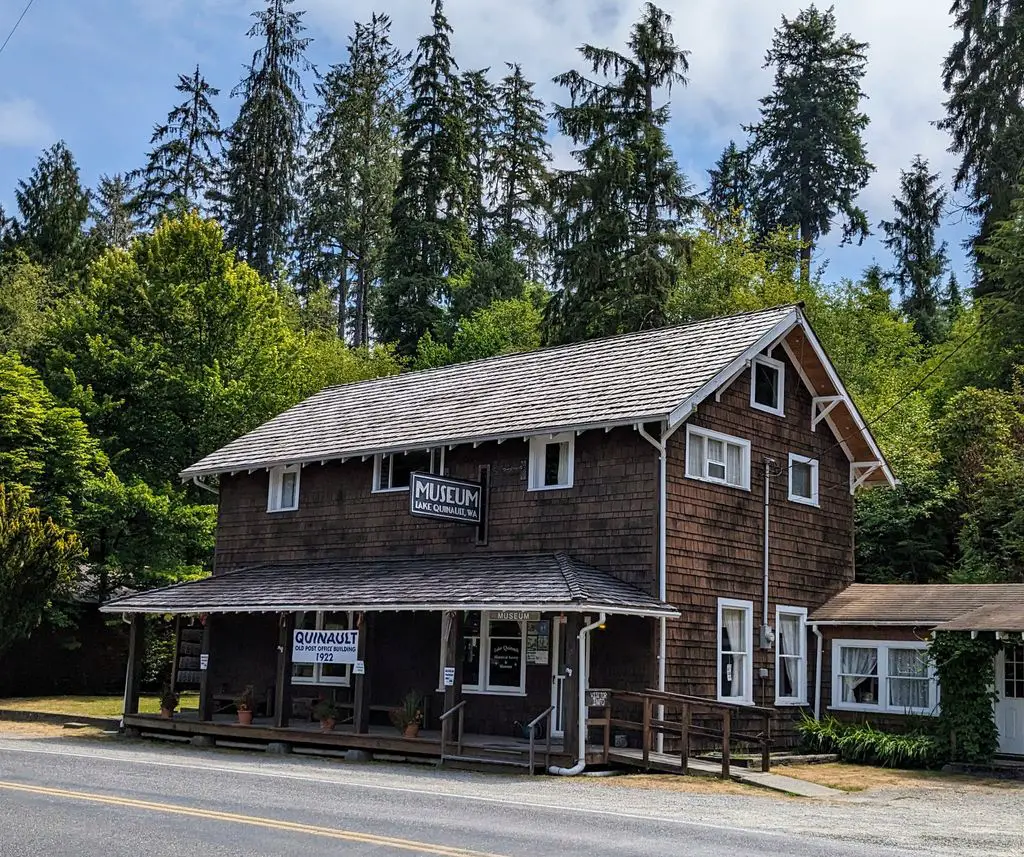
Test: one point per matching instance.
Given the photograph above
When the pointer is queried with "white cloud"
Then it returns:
(23, 124)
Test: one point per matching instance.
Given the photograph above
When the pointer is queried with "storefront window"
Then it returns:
(311, 620)
(492, 654)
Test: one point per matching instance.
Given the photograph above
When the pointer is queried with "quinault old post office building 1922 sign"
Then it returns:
(325, 647)
(446, 499)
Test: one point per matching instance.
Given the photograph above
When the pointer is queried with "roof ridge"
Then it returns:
(572, 581)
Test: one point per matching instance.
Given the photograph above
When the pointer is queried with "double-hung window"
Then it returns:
(790, 656)
(283, 494)
(803, 480)
(715, 457)
(314, 620)
(493, 655)
(874, 676)
(392, 470)
(735, 650)
(767, 384)
(551, 461)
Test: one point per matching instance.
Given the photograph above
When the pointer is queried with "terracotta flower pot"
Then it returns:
(411, 731)
(327, 724)
(167, 713)
(245, 718)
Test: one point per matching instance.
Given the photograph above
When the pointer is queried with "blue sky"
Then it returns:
(99, 74)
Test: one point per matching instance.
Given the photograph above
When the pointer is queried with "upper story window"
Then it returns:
(391, 470)
(551, 461)
(883, 676)
(715, 457)
(767, 384)
(283, 494)
(803, 479)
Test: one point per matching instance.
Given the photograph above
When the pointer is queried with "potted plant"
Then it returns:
(245, 705)
(409, 714)
(168, 702)
(326, 711)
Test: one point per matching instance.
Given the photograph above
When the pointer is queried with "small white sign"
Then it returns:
(449, 676)
(515, 616)
(359, 668)
(325, 647)
(204, 661)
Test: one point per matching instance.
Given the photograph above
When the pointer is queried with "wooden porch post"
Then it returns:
(360, 683)
(205, 685)
(133, 675)
(571, 686)
(451, 624)
(283, 681)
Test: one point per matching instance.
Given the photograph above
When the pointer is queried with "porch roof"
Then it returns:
(944, 606)
(547, 582)
(1007, 617)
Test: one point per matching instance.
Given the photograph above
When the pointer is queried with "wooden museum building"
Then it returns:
(518, 541)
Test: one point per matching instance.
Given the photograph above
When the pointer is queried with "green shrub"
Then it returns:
(864, 744)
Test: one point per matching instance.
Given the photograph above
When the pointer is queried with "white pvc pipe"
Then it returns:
(581, 711)
(817, 673)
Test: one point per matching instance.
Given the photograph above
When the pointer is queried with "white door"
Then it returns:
(1010, 706)
(557, 677)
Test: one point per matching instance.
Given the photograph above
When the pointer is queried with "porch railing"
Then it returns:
(446, 726)
(684, 729)
(532, 726)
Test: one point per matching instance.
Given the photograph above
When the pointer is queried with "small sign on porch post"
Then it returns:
(449, 676)
(359, 668)
(204, 661)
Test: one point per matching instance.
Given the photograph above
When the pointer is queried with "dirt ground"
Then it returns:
(859, 778)
(49, 730)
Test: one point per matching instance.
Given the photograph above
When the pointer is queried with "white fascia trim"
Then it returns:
(870, 623)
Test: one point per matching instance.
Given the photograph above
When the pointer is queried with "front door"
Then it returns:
(1010, 706)
(557, 677)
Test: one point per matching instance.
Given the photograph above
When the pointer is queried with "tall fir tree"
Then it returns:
(184, 164)
(616, 220)
(519, 168)
(53, 208)
(983, 75)
(481, 111)
(808, 146)
(730, 185)
(349, 186)
(430, 244)
(114, 212)
(263, 159)
(920, 259)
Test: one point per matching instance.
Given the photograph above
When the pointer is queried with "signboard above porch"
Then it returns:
(445, 499)
(325, 647)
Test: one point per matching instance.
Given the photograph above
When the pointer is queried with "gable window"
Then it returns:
(314, 620)
(875, 676)
(791, 656)
(283, 494)
(767, 384)
(735, 650)
(551, 461)
(715, 457)
(493, 655)
(803, 479)
(391, 470)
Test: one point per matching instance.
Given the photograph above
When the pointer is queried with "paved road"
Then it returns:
(123, 801)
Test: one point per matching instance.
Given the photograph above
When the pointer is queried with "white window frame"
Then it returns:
(882, 648)
(801, 657)
(708, 434)
(318, 678)
(747, 697)
(764, 360)
(485, 687)
(436, 467)
(538, 452)
(813, 500)
(276, 484)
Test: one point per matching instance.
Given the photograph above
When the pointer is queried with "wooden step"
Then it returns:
(484, 760)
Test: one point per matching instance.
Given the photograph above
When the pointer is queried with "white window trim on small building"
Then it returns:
(386, 460)
(699, 466)
(746, 697)
(318, 676)
(485, 686)
(780, 367)
(799, 657)
(882, 673)
(275, 490)
(813, 464)
(566, 441)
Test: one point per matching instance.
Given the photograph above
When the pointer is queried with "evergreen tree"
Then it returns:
(808, 149)
(920, 259)
(616, 219)
(353, 169)
(954, 299)
(730, 186)
(183, 167)
(984, 77)
(430, 243)
(53, 208)
(263, 159)
(115, 220)
(519, 167)
(481, 111)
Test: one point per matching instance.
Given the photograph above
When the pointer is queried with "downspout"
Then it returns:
(581, 711)
(765, 623)
(200, 484)
(817, 671)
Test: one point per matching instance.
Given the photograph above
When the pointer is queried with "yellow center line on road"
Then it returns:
(254, 820)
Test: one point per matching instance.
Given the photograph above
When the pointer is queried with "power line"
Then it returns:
(16, 23)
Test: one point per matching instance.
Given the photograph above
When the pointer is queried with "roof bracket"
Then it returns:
(866, 469)
(821, 407)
